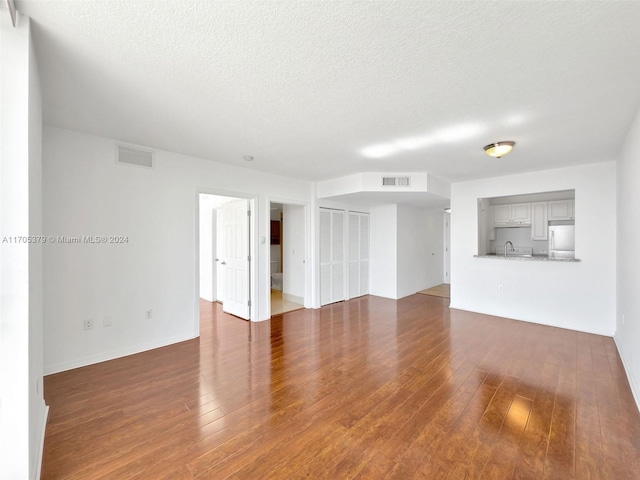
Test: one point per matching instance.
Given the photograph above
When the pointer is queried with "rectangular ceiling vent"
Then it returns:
(134, 156)
(396, 181)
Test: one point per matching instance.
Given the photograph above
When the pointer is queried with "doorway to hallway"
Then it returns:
(224, 252)
(287, 252)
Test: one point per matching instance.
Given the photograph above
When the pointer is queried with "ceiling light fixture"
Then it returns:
(499, 149)
(248, 158)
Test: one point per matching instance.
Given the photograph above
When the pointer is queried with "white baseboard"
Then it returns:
(112, 355)
(292, 298)
(604, 332)
(627, 370)
(43, 429)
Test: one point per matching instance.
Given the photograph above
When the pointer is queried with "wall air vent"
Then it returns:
(396, 181)
(134, 156)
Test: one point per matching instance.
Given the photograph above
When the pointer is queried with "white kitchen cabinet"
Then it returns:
(512, 215)
(501, 214)
(521, 212)
(561, 210)
(539, 221)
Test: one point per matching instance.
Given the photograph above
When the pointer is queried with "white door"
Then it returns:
(220, 255)
(447, 247)
(358, 254)
(332, 261)
(236, 258)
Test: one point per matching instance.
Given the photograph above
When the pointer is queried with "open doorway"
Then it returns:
(287, 257)
(224, 252)
(447, 245)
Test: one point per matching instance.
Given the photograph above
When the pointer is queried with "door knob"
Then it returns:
(223, 263)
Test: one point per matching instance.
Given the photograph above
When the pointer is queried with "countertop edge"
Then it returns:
(540, 258)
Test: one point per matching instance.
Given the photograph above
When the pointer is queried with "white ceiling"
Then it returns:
(305, 87)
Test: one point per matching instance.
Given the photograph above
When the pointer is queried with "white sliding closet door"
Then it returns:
(358, 254)
(332, 256)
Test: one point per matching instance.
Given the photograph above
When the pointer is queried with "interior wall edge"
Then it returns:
(635, 387)
(40, 449)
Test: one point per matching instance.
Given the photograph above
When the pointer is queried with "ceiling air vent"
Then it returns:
(133, 156)
(396, 181)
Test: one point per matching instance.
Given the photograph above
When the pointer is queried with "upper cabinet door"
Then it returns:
(501, 214)
(561, 210)
(521, 213)
(514, 214)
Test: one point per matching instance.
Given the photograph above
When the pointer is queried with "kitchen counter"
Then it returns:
(534, 258)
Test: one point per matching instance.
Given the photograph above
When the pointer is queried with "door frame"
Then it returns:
(307, 246)
(446, 250)
(253, 249)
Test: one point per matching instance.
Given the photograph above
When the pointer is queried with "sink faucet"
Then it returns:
(508, 243)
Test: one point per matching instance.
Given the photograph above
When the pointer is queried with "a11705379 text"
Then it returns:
(65, 239)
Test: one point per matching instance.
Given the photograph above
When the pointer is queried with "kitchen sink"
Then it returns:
(518, 252)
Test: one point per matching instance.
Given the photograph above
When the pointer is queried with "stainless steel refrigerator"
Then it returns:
(562, 241)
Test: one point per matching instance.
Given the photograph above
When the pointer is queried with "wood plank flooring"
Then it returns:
(368, 389)
(442, 290)
(280, 305)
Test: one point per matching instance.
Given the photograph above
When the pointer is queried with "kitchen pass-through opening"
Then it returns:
(528, 225)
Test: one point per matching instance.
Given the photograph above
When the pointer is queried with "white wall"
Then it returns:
(293, 253)
(420, 256)
(22, 408)
(579, 296)
(372, 182)
(37, 408)
(87, 193)
(383, 262)
(407, 253)
(208, 234)
(628, 258)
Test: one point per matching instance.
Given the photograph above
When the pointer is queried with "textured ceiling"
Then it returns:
(307, 87)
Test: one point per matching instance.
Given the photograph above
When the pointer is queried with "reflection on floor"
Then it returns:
(280, 305)
(370, 388)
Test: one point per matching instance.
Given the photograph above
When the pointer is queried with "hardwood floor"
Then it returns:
(369, 389)
(442, 290)
(280, 305)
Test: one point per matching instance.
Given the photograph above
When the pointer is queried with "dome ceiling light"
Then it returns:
(499, 149)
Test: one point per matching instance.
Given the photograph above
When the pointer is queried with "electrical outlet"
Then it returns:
(88, 324)
(148, 314)
(107, 321)
(501, 288)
